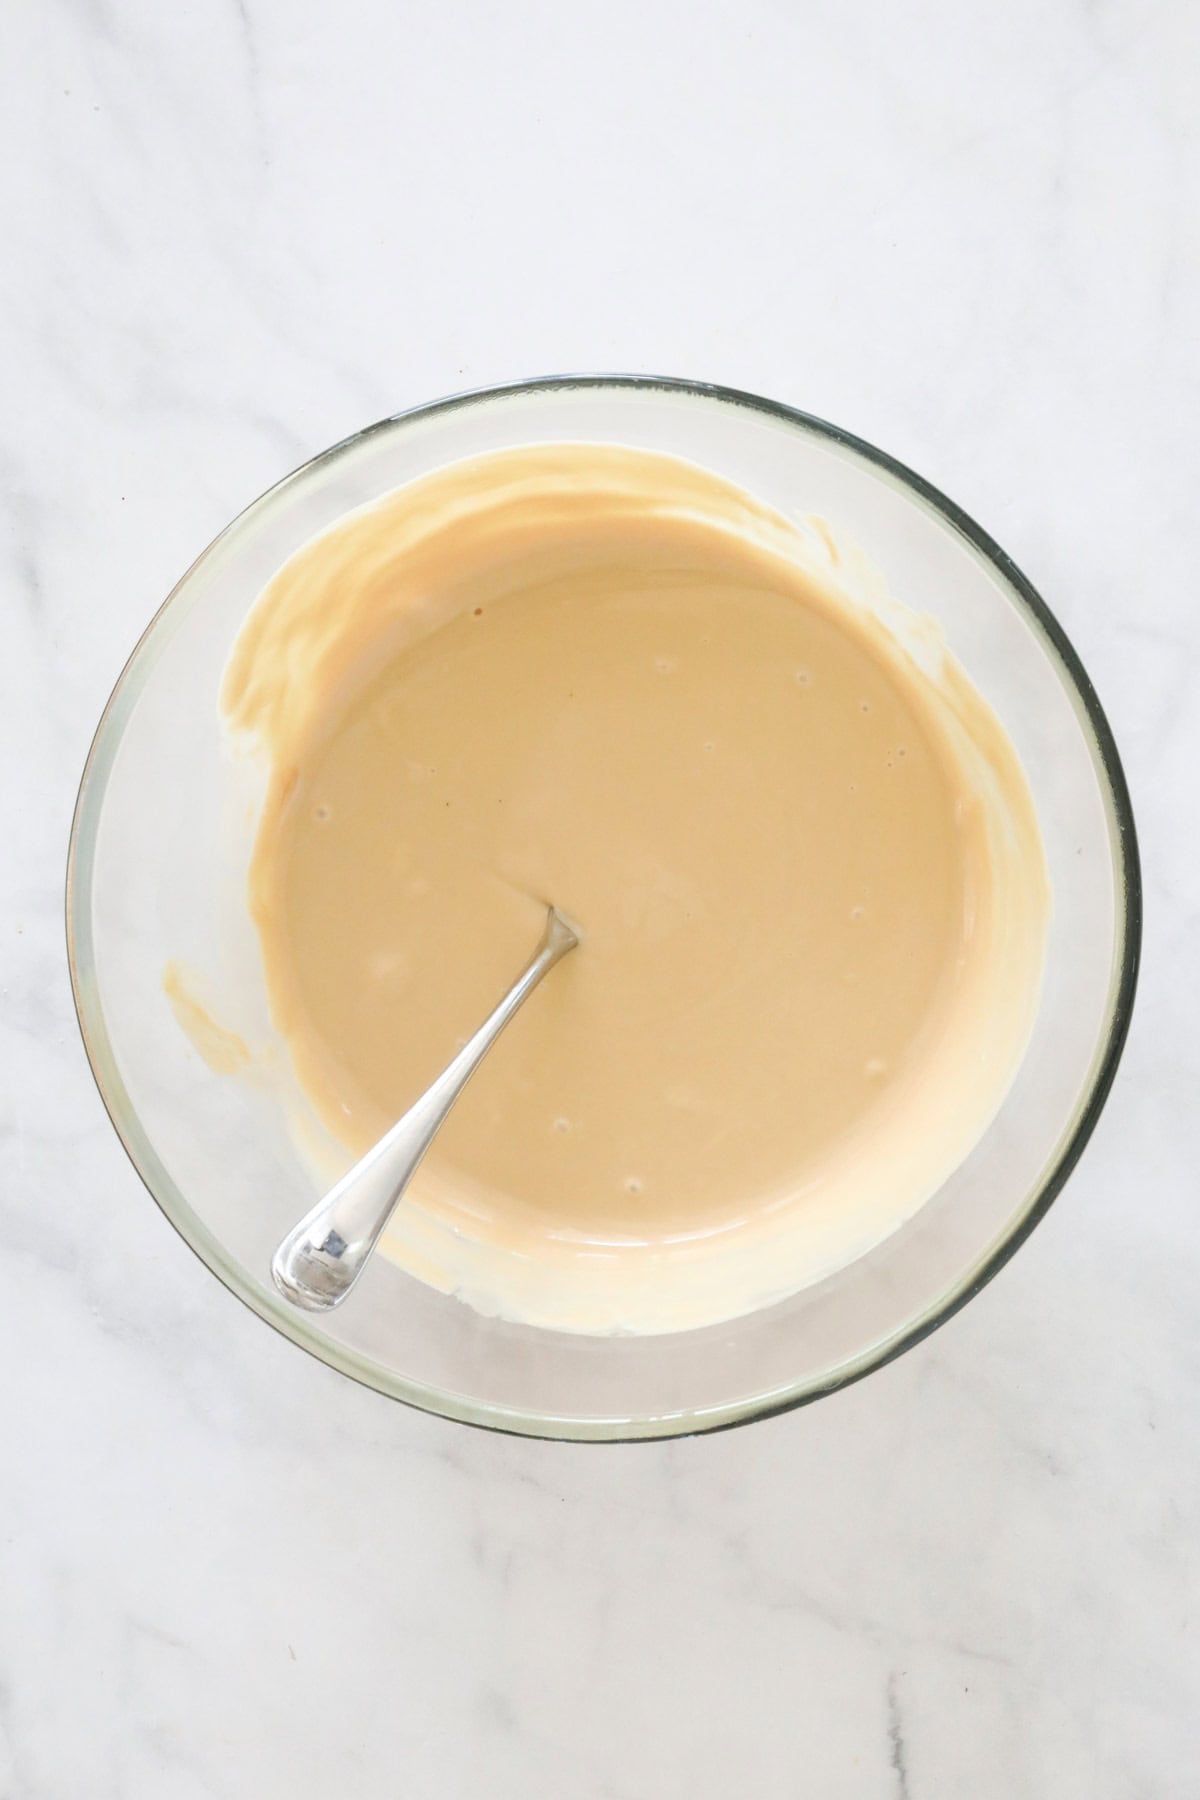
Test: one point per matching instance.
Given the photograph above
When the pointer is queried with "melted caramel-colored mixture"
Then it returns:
(806, 874)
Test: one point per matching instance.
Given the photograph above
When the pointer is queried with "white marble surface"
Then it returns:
(235, 230)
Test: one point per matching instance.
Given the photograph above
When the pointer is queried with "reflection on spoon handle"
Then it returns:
(319, 1261)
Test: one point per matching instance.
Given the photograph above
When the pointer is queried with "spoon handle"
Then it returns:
(320, 1260)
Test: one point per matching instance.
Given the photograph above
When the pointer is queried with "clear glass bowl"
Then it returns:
(157, 861)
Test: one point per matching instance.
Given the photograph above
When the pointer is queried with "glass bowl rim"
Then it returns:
(459, 1407)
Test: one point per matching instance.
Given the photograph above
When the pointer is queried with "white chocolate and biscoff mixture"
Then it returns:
(806, 871)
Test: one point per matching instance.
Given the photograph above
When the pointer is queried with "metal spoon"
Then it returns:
(318, 1262)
